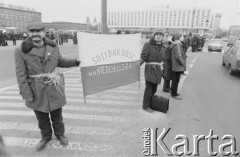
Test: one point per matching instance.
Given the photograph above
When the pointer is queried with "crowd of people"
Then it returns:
(164, 57)
(60, 37)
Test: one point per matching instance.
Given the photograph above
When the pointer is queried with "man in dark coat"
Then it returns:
(178, 58)
(35, 60)
(194, 43)
(153, 55)
(14, 38)
(168, 73)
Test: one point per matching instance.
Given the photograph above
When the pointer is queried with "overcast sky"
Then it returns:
(79, 10)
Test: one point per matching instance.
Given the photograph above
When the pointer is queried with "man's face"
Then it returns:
(36, 35)
(158, 37)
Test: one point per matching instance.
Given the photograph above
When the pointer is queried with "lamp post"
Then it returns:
(104, 28)
(193, 19)
(194, 11)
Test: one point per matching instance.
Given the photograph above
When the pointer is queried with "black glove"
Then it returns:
(77, 62)
(141, 61)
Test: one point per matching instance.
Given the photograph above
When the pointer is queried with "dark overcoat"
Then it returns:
(168, 73)
(153, 52)
(28, 62)
(178, 57)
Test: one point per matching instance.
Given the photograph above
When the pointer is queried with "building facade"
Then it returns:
(162, 18)
(17, 16)
(66, 26)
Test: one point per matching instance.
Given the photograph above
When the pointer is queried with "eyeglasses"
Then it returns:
(35, 30)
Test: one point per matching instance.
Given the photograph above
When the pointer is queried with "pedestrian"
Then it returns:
(14, 38)
(52, 36)
(4, 39)
(1, 38)
(153, 55)
(47, 35)
(75, 38)
(25, 35)
(56, 38)
(36, 61)
(194, 43)
(178, 64)
(61, 38)
(168, 73)
(185, 46)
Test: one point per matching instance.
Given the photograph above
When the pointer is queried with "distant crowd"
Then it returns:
(59, 37)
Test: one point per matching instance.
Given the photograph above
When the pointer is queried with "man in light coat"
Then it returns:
(38, 56)
(153, 55)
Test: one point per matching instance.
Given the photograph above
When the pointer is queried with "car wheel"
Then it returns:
(223, 64)
(209, 49)
(230, 71)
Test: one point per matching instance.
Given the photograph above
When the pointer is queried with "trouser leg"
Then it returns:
(150, 90)
(57, 122)
(44, 124)
(175, 81)
(166, 85)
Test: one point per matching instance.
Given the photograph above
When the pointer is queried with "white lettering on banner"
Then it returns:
(107, 69)
(113, 53)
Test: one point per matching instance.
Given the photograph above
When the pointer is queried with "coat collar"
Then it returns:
(153, 42)
(27, 44)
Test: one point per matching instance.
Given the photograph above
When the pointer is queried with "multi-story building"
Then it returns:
(166, 19)
(17, 16)
(65, 26)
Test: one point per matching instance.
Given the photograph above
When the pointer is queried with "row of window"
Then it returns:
(19, 18)
(155, 14)
(13, 24)
(17, 12)
(158, 20)
(188, 24)
(158, 23)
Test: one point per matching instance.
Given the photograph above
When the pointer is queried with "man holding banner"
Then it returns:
(153, 54)
(41, 84)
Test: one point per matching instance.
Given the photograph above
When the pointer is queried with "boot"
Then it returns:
(63, 140)
(42, 144)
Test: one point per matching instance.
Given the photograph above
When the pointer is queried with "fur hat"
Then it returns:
(36, 26)
(160, 33)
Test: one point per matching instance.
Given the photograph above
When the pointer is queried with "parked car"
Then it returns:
(225, 39)
(231, 59)
(232, 40)
(215, 44)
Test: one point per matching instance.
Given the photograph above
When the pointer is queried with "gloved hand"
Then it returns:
(77, 62)
(29, 99)
(141, 61)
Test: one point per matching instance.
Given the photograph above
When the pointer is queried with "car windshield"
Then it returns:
(215, 41)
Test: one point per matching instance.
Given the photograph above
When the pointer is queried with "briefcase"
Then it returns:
(160, 104)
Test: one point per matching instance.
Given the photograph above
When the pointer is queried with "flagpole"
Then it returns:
(83, 83)
(139, 77)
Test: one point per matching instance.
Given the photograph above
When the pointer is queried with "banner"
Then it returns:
(108, 61)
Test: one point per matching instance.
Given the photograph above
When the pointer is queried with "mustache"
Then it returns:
(36, 36)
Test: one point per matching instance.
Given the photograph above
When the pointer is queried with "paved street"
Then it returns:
(111, 122)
